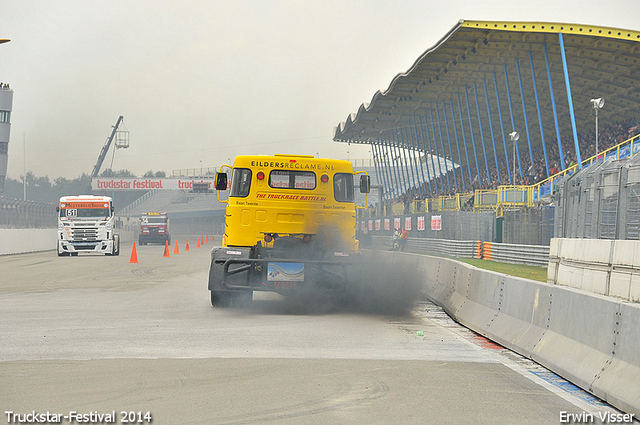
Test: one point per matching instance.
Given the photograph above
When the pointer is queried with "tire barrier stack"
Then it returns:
(589, 339)
(478, 250)
(486, 250)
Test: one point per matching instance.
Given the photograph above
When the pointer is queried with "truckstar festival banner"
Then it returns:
(114, 183)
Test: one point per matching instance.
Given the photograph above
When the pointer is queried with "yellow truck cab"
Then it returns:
(290, 224)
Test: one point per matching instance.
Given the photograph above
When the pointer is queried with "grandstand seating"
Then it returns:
(172, 201)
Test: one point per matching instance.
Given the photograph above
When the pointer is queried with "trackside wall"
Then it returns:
(606, 267)
(17, 241)
(20, 241)
(589, 339)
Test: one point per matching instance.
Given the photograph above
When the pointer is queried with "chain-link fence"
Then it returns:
(18, 214)
(529, 226)
(601, 201)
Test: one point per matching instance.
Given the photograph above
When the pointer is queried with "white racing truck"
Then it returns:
(86, 224)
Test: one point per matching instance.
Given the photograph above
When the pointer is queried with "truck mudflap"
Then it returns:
(284, 275)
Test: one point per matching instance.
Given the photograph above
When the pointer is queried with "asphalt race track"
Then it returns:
(98, 335)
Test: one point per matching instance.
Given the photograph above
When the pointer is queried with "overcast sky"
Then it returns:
(205, 81)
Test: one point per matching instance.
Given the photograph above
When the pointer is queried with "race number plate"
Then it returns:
(285, 272)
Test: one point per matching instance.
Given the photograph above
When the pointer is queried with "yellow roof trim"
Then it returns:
(555, 27)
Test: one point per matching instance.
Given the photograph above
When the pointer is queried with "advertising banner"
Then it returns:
(116, 183)
(436, 222)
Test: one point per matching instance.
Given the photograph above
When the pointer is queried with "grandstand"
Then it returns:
(190, 213)
(464, 97)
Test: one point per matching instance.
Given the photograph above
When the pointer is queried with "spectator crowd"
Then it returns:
(532, 171)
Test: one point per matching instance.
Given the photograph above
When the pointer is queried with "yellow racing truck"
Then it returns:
(290, 224)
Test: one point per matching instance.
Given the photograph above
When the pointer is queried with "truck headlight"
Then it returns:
(108, 226)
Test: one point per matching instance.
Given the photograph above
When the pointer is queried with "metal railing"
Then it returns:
(466, 249)
(533, 255)
(19, 214)
(510, 197)
(194, 172)
(625, 149)
(137, 202)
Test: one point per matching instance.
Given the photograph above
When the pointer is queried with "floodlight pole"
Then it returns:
(597, 104)
(514, 138)
(596, 134)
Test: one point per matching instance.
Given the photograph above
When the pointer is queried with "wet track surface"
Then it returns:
(99, 334)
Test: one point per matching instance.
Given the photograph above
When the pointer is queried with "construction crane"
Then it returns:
(120, 143)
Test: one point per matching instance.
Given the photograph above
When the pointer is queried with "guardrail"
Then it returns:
(534, 255)
(442, 246)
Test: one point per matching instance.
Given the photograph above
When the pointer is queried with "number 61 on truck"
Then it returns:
(290, 224)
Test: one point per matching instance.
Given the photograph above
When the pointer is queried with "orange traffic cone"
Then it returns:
(206, 239)
(166, 249)
(186, 248)
(134, 254)
(211, 238)
(175, 249)
(198, 244)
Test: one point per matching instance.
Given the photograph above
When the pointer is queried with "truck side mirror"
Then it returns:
(57, 209)
(365, 183)
(221, 181)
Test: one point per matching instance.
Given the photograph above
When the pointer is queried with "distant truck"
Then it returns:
(289, 225)
(154, 228)
(86, 224)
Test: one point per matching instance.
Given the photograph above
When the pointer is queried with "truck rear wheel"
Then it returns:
(220, 299)
(242, 299)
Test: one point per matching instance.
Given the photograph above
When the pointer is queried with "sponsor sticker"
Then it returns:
(285, 272)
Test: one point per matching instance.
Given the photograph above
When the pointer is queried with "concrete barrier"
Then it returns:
(590, 339)
(20, 241)
(606, 267)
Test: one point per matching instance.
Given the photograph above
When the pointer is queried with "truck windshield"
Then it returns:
(343, 187)
(153, 220)
(292, 179)
(240, 182)
(84, 212)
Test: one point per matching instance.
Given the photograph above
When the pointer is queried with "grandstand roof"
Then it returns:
(478, 57)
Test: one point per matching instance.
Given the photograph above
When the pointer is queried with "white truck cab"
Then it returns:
(86, 224)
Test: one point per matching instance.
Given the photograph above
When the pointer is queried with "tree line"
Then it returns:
(42, 189)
